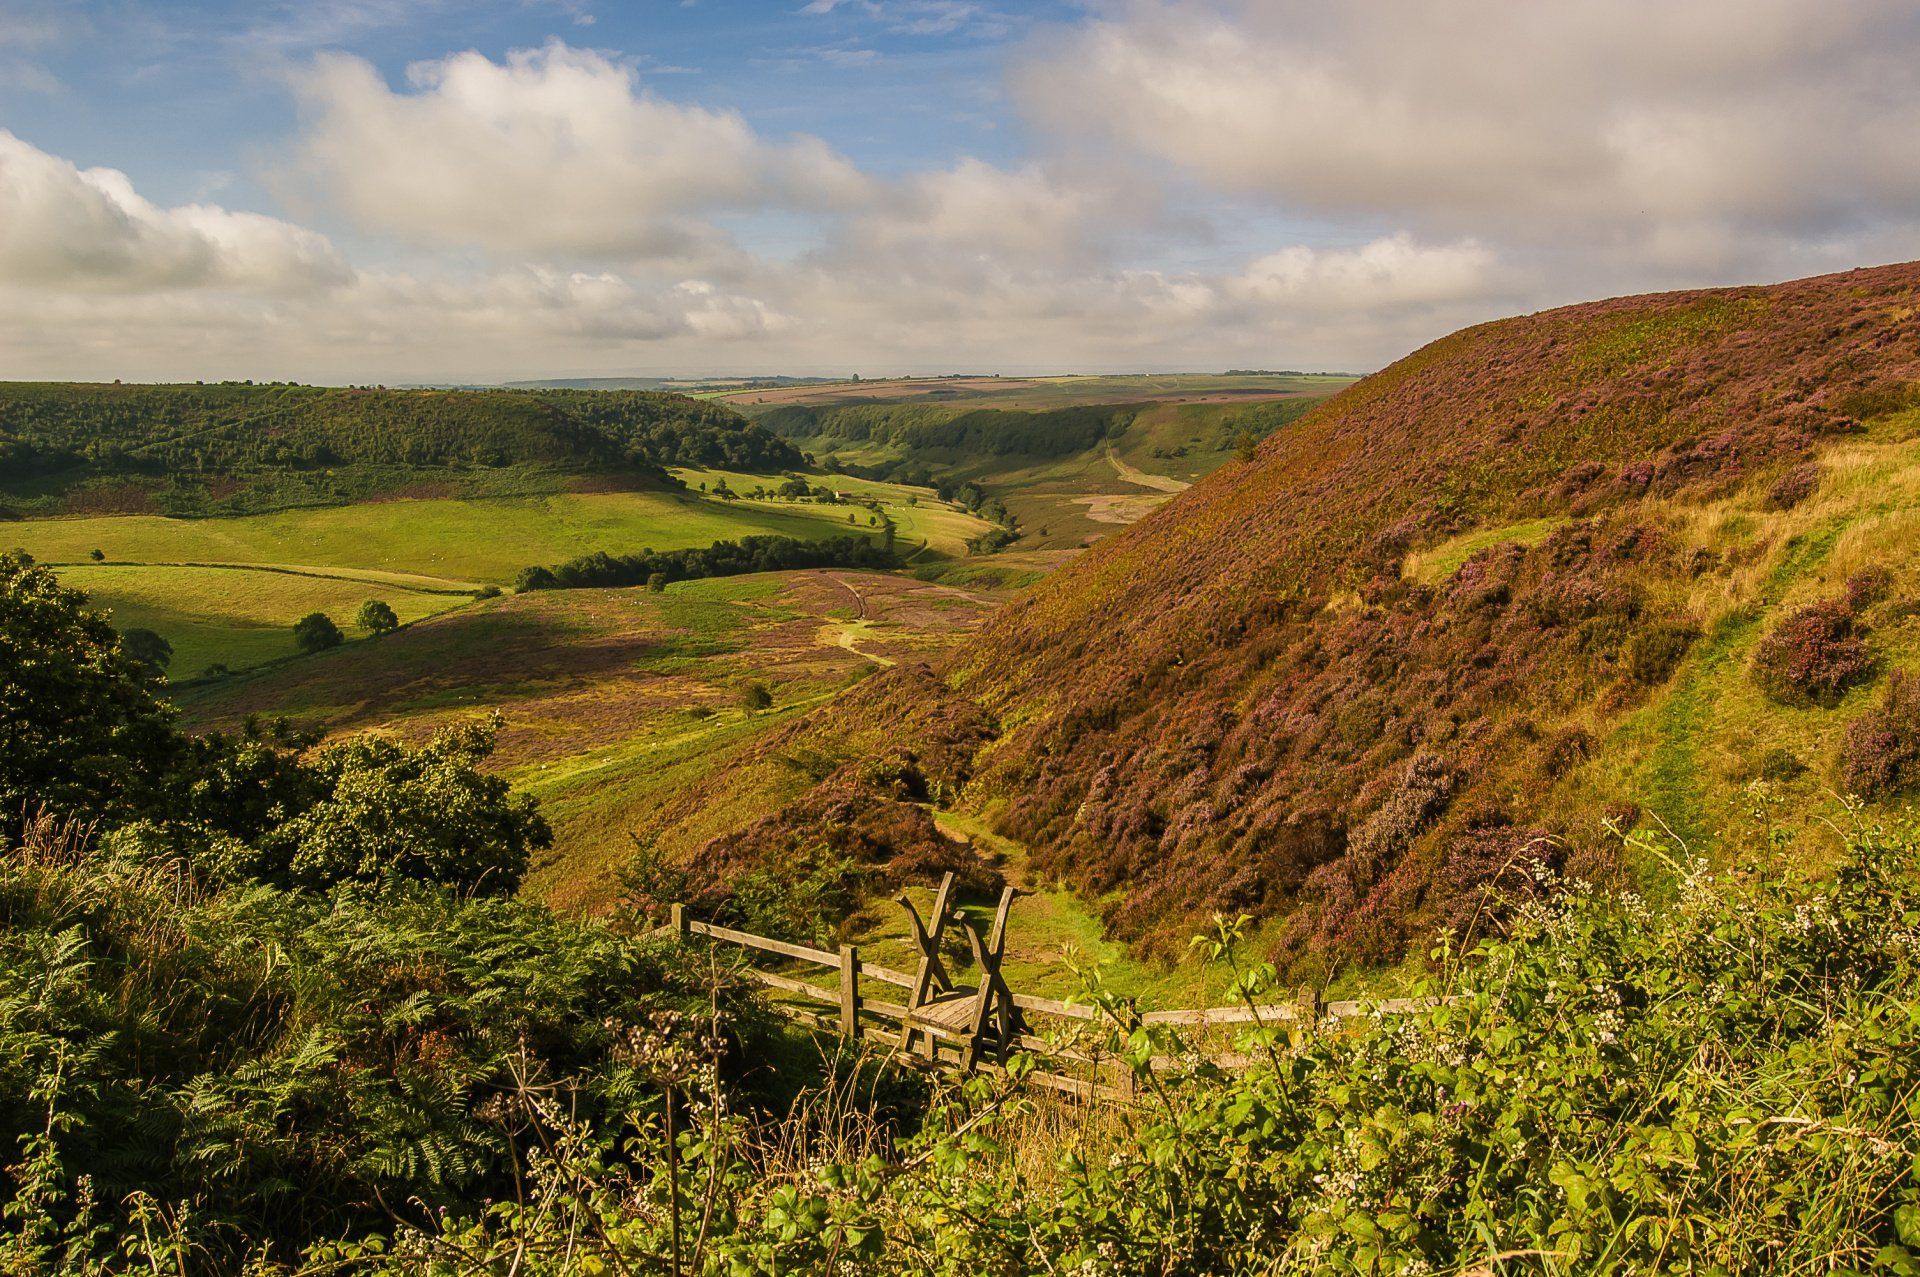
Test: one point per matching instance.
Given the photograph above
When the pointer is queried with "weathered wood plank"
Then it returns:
(1224, 1015)
(1049, 1006)
(804, 953)
(787, 984)
(886, 975)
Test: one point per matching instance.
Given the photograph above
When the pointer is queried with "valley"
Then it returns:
(1529, 642)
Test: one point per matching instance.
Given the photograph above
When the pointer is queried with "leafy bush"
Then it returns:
(1881, 753)
(1812, 656)
(235, 1072)
(1720, 1084)
(147, 649)
(429, 815)
(80, 728)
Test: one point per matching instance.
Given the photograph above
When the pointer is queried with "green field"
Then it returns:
(480, 541)
(188, 578)
(925, 527)
(241, 617)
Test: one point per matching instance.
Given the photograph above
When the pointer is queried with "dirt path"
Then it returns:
(847, 633)
(1132, 474)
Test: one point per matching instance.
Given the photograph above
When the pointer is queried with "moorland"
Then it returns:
(1560, 673)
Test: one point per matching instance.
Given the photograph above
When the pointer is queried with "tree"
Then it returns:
(756, 698)
(377, 618)
(535, 578)
(657, 582)
(316, 632)
(1245, 447)
(147, 650)
(427, 815)
(80, 729)
(97, 555)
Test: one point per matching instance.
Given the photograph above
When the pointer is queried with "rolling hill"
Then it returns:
(239, 448)
(1472, 620)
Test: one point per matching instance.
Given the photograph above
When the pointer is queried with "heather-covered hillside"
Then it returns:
(1440, 628)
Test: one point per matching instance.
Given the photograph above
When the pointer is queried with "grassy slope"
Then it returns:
(1228, 706)
(614, 699)
(241, 617)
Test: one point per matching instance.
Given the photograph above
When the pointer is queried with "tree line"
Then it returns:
(1051, 432)
(660, 568)
(64, 435)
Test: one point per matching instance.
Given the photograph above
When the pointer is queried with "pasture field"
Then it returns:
(925, 527)
(242, 617)
(484, 541)
(612, 699)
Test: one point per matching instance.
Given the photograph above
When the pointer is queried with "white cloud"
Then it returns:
(87, 228)
(1588, 120)
(1390, 273)
(1432, 165)
(556, 150)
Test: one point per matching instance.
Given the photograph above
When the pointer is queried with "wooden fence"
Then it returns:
(938, 1022)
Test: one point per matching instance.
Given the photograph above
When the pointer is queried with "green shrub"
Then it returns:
(203, 1075)
(316, 632)
(80, 728)
(386, 812)
(377, 617)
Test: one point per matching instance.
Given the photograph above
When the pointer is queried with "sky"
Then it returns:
(359, 191)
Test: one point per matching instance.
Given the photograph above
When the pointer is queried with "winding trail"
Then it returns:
(847, 633)
(1133, 474)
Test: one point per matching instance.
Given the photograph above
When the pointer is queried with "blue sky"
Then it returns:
(409, 189)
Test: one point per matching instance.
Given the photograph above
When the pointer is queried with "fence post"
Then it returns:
(849, 991)
(1313, 1007)
(677, 920)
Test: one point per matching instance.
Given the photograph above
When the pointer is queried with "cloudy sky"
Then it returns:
(395, 190)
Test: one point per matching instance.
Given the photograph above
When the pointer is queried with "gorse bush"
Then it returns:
(1725, 1083)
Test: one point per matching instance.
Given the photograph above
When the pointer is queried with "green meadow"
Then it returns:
(227, 591)
(485, 541)
(241, 617)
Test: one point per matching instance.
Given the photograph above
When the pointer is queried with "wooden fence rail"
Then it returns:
(943, 1023)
